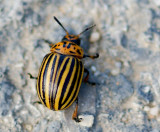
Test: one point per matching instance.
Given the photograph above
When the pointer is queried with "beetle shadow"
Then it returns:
(87, 93)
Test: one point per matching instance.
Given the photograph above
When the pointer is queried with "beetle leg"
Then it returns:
(91, 56)
(87, 77)
(38, 102)
(75, 116)
(49, 42)
(31, 77)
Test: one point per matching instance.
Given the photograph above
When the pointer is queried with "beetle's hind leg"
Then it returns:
(37, 102)
(31, 77)
(75, 115)
(91, 56)
(87, 77)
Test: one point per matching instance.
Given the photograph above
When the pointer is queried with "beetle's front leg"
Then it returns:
(31, 77)
(49, 42)
(91, 56)
(75, 115)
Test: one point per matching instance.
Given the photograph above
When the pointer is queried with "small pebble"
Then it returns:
(28, 127)
(95, 36)
(146, 89)
(154, 111)
(146, 108)
(93, 68)
(87, 120)
(115, 72)
(19, 65)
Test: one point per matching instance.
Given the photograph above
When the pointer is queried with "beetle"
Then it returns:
(61, 73)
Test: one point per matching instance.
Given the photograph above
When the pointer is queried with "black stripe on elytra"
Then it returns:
(53, 96)
(44, 59)
(78, 51)
(50, 82)
(62, 71)
(60, 76)
(44, 77)
(69, 45)
(79, 77)
(57, 49)
(66, 82)
(73, 82)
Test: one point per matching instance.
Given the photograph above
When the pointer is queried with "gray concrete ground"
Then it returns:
(127, 37)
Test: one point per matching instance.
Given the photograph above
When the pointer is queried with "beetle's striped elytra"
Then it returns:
(59, 80)
(61, 73)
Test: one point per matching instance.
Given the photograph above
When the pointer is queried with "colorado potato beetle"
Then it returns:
(61, 73)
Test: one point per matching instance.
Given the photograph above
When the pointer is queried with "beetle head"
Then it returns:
(73, 38)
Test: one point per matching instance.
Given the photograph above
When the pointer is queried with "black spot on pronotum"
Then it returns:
(72, 52)
(54, 46)
(69, 45)
(78, 51)
(64, 44)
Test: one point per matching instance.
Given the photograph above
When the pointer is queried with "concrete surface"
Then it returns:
(127, 37)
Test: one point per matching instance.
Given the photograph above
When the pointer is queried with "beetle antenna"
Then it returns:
(87, 29)
(60, 24)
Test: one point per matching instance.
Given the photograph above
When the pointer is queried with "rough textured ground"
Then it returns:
(127, 36)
